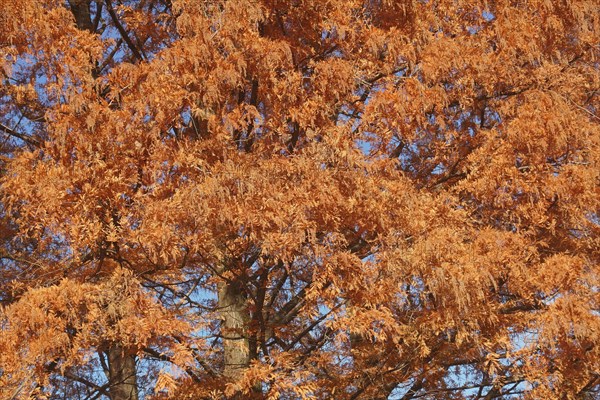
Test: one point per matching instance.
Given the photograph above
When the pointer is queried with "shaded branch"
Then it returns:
(122, 31)
(25, 138)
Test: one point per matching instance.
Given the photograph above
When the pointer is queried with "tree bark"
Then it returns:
(81, 12)
(122, 374)
(235, 316)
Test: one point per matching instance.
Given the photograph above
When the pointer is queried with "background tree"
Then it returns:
(306, 199)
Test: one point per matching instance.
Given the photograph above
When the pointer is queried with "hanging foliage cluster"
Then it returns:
(358, 199)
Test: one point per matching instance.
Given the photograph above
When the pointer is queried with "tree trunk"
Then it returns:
(122, 374)
(235, 316)
(81, 12)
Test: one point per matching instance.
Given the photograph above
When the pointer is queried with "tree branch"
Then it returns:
(13, 133)
(122, 31)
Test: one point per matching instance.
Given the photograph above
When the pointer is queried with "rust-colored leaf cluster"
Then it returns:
(267, 199)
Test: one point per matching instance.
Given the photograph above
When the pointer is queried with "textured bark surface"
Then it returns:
(233, 306)
(81, 12)
(122, 374)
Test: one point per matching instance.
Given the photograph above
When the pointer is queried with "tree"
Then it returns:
(272, 199)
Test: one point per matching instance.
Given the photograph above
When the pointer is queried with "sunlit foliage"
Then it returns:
(358, 199)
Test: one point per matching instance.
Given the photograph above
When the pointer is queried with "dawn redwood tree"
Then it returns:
(358, 199)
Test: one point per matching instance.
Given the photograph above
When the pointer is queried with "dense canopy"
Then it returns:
(357, 199)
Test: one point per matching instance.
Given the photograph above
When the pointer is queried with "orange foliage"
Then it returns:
(359, 199)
